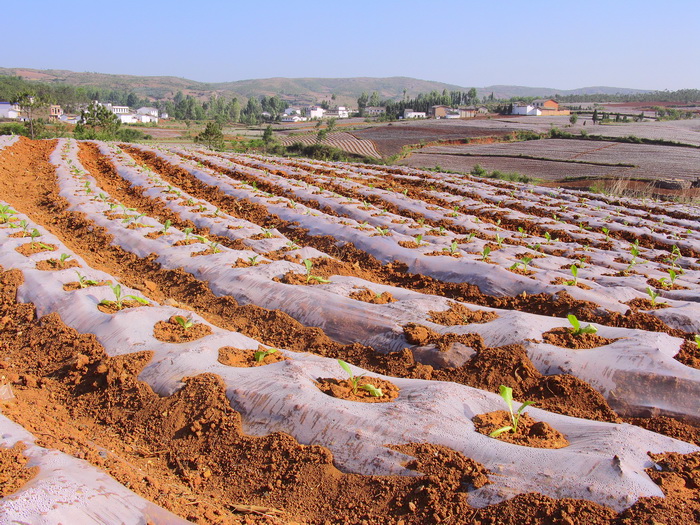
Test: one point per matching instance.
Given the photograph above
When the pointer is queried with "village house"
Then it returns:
(538, 107)
(313, 112)
(439, 111)
(9, 110)
(374, 111)
(55, 112)
(409, 113)
(147, 111)
(339, 112)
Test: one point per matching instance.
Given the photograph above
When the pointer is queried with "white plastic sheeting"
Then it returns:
(621, 371)
(69, 490)
(604, 462)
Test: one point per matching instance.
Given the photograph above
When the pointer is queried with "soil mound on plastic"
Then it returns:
(530, 433)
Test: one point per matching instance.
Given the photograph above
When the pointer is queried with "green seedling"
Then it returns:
(524, 262)
(470, 237)
(419, 239)
(22, 224)
(166, 225)
(88, 190)
(84, 282)
(103, 197)
(522, 232)
(507, 395)
(267, 233)
(668, 282)
(653, 295)
(187, 232)
(574, 273)
(606, 232)
(308, 264)
(454, 213)
(190, 201)
(355, 381)
(34, 234)
(373, 390)
(5, 213)
(548, 237)
(292, 245)
(118, 302)
(485, 253)
(577, 329)
(452, 249)
(499, 240)
(260, 355)
(64, 257)
(185, 322)
(253, 260)
(382, 231)
(697, 341)
(202, 208)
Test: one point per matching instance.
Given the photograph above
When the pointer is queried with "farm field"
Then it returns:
(389, 139)
(555, 159)
(342, 140)
(173, 320)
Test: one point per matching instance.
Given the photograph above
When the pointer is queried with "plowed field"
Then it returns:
(220, 338)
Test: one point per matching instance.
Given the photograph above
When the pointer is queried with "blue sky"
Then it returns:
(541, 43)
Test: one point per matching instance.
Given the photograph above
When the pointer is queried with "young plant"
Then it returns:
(354, 380)
(34, 234)
(260, 355)
(524, 262)
(485, 253)
(507, 395)
(308, 264)
(499, 240)
(267, 233)
(452, 249)
(253, 260)
(668, 282)
(574, 273)
(84, 282)
(187, 232)
(118, 302)
(419, 239)
(6, 213)
(653, 295)
(382, 231)
(697, 341)
(606, 232)
(185, 322)
(168, 223)
(577, 329)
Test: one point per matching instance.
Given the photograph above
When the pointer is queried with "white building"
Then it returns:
(147, 111)
(374, 111)
(118, 110)
(409, 113)
(9, 110)
(525, 109)
(293, 118)
(315, 112)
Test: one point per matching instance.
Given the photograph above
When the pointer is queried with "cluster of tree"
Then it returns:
(221, 109)
(681, 96)
(672, 113)
(422, 102)
(70, 98)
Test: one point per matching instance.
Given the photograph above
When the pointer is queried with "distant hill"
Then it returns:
(293, 90)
